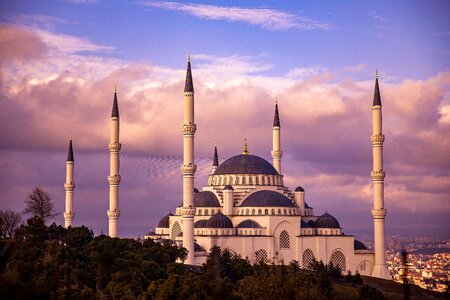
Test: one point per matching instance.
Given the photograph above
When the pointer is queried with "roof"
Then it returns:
(200, 224)
(303, 224)
(376, 94)
(188, 85)
(276, 117)
(115, 108)
(359, 245)
(215, 157)
(228, 187)
(299, 189)
(219, 220)
(198, 248)
(70, 153)
(245, 164)
(267, 198)
(311, 224)
(327, 221)
(164, 222)
(249, 224)
(206, 199)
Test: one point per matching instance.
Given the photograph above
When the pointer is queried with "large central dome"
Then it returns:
(245, 164)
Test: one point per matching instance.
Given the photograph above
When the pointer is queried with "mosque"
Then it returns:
(246, 207)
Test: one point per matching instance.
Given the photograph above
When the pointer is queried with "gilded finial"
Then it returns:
(245, 152)
(115, 88)
(276, 100)
(189, 56)
(376, 74)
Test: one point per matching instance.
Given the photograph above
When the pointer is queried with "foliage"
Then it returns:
(39, 204)
(9, 221)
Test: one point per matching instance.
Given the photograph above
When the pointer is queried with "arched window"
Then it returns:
(206, 212)
(243, 180)
(266, 211)
(199, 212)
(338, 260)
(261, 255)
(259, 211)
(308, 258)
(279, 211)
(176, 229)
(247, 212)
(213, 211)
(257, 180)
(273, 211)
(250, 180)
(253, 211)
(263, 182)
(285, 211)
(284, 240)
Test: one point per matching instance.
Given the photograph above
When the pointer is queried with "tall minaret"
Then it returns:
(114, 165)
(69, 185)
(188, 167)
(215, 160)
(378, 211)
(276, 142)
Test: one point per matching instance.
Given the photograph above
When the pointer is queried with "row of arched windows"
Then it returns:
(337, 259)
(205, 212)
(243, 180)
(266, 211)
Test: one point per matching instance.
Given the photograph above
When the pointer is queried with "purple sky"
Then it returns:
(59, 62)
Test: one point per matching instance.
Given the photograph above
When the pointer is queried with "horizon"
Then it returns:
(61, 62)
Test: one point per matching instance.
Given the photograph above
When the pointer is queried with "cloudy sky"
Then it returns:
(60, 61)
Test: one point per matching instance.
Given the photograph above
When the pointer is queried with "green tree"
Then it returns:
(39, 204)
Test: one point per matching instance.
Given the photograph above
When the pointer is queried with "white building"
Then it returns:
(246, 207)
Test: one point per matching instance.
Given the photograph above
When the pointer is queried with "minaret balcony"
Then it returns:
(114, 214)
(277, 154)
(379, 213)
(70, 186)
(188, 169)
(114, 179)
(188, 211)
(115, 147)
(189, 129)
(378, 175)
(377, 139)
(69, 215)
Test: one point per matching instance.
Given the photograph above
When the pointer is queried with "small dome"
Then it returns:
(195, 190)
(327, 221)
(311, 224)
(164, 222)
(267, 198)
(228, 187)
(198, 248)
(306, 205)
(245, 164)
(303, 224)
(219, 220)
(249, 224)
(206, 199)
(299, 189)
(200, 224)
(359, 245)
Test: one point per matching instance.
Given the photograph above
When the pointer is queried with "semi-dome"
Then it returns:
(267, 198)
(200, 224)
(228, 187)
(359, 245)
(198, 248)
(219, 220)
(327, 221)
(311, 224)
(299, 189)
(164, 222)
(303, 224)
(206, 199)
(245, 164)
(249, 224)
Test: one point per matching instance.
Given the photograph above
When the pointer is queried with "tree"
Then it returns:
(9, 221)
(39, 204)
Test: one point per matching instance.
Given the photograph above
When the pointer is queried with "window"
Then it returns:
(176, 229)
(213, 211)
(253, 211)
(279, 211)
(247, 211)
(259, 211)
(308, 258)
(273, 211)
(206, 212)
(266, 211)
(338, 260)
(199, 212)
(284, 240)
(261, 255)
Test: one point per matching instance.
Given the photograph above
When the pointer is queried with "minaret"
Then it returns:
(378, 211)
(276, 142)
(215, 160)
(69, 185)
(188, 167)
(114, 165)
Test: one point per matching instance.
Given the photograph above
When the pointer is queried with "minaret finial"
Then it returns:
(115, 108)
(376, 95)
(70, 153)
(215, 157)
(188, 85)
(276, 116)
(245, 152)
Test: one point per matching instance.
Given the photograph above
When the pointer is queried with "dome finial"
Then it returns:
(215, 157)
(245, 152)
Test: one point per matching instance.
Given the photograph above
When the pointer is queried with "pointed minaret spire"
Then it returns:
(245, 152)
(188, 85)
(276, 117)
(215, 163)
(69, 186)
(115, 108)
(376, 94)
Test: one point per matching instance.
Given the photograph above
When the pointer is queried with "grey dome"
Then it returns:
(311, 224)
(306, 205)
(249, 224)
(327, 221)
(206, 199)
(299, 189)
(228, 187)
(359, 245)
(200, 224)
(219, 220)
(245, 164)
(198, 248)
(164, 222)
(267, 198)
(303, 224)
